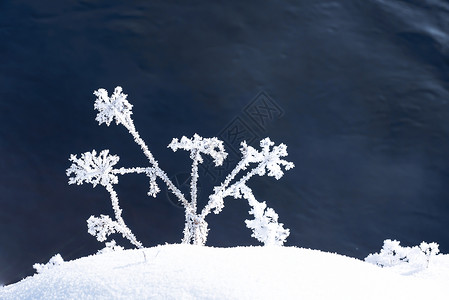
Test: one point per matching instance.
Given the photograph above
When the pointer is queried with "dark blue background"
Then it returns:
(363, 87)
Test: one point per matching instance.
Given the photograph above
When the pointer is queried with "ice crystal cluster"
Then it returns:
(100, 169)
(393, 254)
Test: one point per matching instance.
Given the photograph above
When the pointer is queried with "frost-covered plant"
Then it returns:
(56, 260)
(430, 250)
(392, 254)
(99, 169)
(110, 247)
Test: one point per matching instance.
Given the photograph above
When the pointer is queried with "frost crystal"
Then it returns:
(99, 169)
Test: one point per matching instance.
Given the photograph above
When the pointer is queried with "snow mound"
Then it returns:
(196, 272)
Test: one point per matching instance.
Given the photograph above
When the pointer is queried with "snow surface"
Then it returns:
(198, 272)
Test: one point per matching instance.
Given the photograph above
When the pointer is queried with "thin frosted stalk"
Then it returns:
(187, 236)
(227, 191)
(240, 166)
(124, 230)
(243, 180)
(132, 129)
(123, 171)
(159, 172)
(194, 181)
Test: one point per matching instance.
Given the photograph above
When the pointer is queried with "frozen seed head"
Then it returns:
(115, 107)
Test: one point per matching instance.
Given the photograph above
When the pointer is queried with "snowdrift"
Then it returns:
(196, 272)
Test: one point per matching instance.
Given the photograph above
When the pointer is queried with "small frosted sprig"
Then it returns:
(270, 156)
(265, 224)
(93, 168)
(413, 259)
(110, 247)
(430, 250)
(101, 227)
(154, 188)
(115, 107)
(196, 145)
